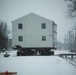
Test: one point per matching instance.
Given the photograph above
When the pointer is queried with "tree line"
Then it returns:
(70, 40)
(70, 37)
(4, 31)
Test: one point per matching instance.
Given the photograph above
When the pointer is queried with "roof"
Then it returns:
(32, 17)
(30, 14)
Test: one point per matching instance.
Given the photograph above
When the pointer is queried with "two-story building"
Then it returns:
(34, 32)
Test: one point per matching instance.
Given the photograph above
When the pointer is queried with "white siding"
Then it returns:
(54, 35)
(32, 32)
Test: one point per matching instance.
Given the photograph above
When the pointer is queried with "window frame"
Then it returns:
(20, 25)
(43, 38)
(43, 25)
(20, 38)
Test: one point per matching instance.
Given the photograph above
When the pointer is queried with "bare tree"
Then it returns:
(3, 35)
(71, 11)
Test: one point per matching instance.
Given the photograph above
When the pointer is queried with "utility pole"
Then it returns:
(75, 39)
(66, 42)
(70, 41)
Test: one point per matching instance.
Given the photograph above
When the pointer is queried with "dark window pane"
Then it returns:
(20, 26)
(20, 38)
(43, 38)
(43, 25)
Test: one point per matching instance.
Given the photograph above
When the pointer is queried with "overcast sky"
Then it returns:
(51, 9)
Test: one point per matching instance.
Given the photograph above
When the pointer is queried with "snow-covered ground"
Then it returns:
(36, 65)
(61, 52)
(72, 61)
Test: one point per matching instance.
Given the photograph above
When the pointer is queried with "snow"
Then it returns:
(72, 61)
(36, 65)
(61, 52)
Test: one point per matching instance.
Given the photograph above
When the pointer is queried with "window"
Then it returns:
(43, 25)
(20, 26)
(43, 38)
(20, 38)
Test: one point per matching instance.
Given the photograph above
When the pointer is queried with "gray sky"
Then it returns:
(51, 9)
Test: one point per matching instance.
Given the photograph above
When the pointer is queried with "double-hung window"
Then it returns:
(20, 26)
(43, 38)
(43, 25)
(20, 38)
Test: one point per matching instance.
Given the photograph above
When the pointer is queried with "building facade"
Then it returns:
(34, 31)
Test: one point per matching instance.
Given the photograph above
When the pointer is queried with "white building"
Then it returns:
(34, 31)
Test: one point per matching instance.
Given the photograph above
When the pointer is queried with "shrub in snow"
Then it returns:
(6, 55)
